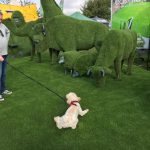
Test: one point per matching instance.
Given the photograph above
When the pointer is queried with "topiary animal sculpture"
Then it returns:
(24, 30)
(18, 45)
(64, 33)
(50, 8)
(117, 46)
(18, 19)
(79, 61)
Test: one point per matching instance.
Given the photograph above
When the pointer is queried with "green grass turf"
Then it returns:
(118, 118)
(141, 14)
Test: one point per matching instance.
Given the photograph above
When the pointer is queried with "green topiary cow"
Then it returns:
(79, 61)
(117, 46)
(64, 33)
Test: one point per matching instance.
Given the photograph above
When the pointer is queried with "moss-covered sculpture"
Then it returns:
(22, 32)
(18, 19)
(51, 9)
(117, 46)
(79, 61)
(18, 46)
(64, 33)
(61, 33)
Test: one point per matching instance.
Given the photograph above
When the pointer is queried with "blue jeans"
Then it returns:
(3, 74)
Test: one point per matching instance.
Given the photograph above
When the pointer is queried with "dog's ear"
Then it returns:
(69, 100)
(68, 95)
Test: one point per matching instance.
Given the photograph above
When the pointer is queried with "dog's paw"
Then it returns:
(56, 119)
(59, 127)
(87, 110)
(74, 127)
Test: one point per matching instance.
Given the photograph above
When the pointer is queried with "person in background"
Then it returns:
(4, 38)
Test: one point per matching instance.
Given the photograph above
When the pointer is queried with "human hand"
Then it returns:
(1, 58)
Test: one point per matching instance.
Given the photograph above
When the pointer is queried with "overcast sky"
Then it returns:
(70, 6)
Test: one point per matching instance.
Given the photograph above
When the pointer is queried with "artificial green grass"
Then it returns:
(118, 118)
(141, 13)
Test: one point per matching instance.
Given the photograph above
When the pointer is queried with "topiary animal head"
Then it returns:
(39, 27)
(99, 73)
(39, 32)
(18, 18)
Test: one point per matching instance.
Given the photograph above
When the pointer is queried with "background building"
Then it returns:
(29, 12)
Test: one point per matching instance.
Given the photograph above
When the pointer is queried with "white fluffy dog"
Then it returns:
(70, 118)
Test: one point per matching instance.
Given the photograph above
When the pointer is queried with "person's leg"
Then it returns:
(1, 98)
(3, 75)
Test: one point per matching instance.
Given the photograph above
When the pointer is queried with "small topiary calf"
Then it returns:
(79, 61)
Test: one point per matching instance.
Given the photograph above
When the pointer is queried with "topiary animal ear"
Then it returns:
(38, 27)
(107, 70)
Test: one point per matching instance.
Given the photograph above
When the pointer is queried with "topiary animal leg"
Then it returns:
(148, 57)
(65, 71)
(50, 53)
(54, 56)
(98, 45)
(130, 63)
(117, 66)
(39, 57)
(32, 52)
(122, 64)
